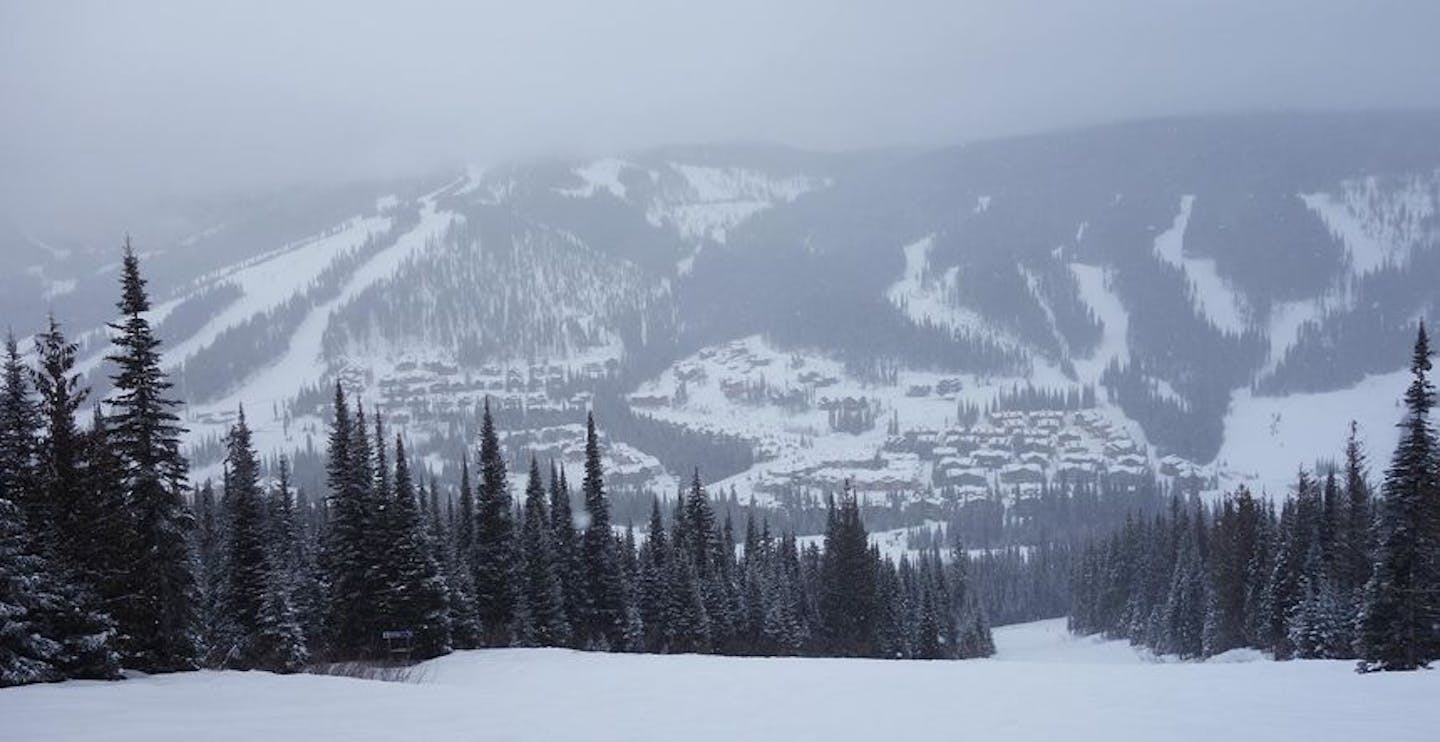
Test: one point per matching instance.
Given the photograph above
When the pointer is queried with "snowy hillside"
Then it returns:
(845, 316)
(1042, 685)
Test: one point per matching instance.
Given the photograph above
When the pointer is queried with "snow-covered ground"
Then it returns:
(1380, 221)
(1267, 439)
(929, 298)
(1214, 299)
(1042, 685)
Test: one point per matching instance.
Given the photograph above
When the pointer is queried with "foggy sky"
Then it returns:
(105, 102)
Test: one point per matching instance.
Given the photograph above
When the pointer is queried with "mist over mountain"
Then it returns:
(1212, 282)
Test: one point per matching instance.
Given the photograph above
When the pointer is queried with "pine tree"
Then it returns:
(159, 620)
(697, 538)
(972, 626)
(1357, 543)
(417, 597)
(1233, 549)
(60, 502)
(686, 622)
(494, 542)
(293, 598)
(567, 553)
(19, 429)
(604, 619)
(260, 626)
(45, 634)
(209, 549)
(847, 597)
(1185, 604)
(1399, 620)
(652, 595)
(102, 549)
(351, 618)
(542, 591)
(465, 522)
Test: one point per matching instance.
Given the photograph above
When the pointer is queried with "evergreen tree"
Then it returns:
(972, 626)
(19, 429)
(294, 597)
(652, 594)
(604, 611)
(494, 542)
(261, 629)
(1233, 550)
(1401, 615)
(46, 634)
(351, 614)
(541, 587)
(158, 621)
(465, 523)
(847, 597)
(60, 503)
(567, 551)
(209, 548)
(1356, 544)
(417, 600)
(159, 618)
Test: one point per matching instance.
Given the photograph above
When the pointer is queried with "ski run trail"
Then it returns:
(1043, 684)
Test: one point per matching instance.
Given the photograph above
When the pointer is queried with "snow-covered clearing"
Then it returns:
(1380, 221)
(283, 378)
(1214, 299)
(600, 175)
(1043, 685)
(928, 298)
(1096, 292)
(1267, 439)
(274, 278)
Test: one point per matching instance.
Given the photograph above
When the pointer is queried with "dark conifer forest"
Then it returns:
(111, 558)
(1335, 570)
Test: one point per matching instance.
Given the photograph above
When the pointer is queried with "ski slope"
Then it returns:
(1268, 439)
(1214, 299)
(1043, 685)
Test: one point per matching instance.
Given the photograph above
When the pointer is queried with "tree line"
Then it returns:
(1334, 572)
(110, 559)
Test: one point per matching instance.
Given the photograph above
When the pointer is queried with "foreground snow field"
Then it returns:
(1043, 685)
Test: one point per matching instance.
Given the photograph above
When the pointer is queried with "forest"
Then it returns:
(109, 559)
(1336, 571)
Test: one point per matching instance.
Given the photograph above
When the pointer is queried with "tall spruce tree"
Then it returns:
(847, 591)
(1356, 544)
(47, 631)
(540, 564)
(260, 627)
(350, 615)
(495, 552)
(417, 598)
(604, 612)
(19, 429)
(1400, 619)
(59, 503)
(567, 553)
(159, 618)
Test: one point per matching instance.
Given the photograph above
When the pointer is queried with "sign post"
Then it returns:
(398, 643)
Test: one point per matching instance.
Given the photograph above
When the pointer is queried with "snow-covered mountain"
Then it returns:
(1210, 300)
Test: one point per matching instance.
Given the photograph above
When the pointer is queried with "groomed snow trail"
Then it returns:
(1043, 685)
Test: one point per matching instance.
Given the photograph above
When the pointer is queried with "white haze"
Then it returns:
(107, 104)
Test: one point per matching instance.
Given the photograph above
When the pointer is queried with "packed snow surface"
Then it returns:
(1214, 299)
(1043, 685)
(929, 298)
(1096, 292)
(1268, 439)
(1380, 220)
